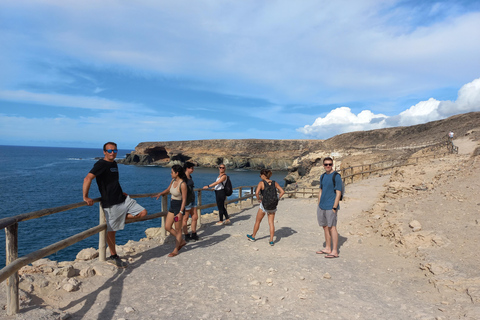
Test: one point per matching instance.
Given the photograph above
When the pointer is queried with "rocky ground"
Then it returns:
(408, 251)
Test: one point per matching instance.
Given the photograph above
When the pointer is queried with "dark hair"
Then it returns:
(187, 165)
(327, 158)
(181, 172)
(105, 145)
(266, 172)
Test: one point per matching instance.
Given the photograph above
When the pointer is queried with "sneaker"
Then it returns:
(219, 223)
(271, 243)
(188, 237)
(250, 237)
(116, 261)
(194, 237)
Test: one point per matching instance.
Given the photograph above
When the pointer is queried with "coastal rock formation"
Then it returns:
(246, 153)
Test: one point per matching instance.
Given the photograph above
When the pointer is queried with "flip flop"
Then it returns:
(330, 256)
(322, 252)
(172, 254)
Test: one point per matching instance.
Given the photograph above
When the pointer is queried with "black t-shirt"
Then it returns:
(192, 186)
(107, 176)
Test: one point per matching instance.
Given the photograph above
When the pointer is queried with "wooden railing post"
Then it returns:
(102, 236)
(163, 232)
(240, 195)
(199, 211)
(11, 237)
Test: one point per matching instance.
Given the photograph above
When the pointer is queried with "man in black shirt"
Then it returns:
(116, 204)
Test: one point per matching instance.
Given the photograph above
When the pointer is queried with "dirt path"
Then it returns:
(224, 276)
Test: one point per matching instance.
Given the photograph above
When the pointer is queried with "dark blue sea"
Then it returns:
(35, 178)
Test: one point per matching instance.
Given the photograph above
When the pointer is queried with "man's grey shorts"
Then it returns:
(326, 218)
(116, 214)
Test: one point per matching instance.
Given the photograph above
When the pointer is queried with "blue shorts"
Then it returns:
(190, 206)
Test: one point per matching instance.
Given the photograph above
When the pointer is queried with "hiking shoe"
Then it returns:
(188, 237)
(116, 261)
(194, 237)
(250, 237)
(271, 243)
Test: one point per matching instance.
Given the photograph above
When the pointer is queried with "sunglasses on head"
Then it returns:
(328, 164)
(112, 150)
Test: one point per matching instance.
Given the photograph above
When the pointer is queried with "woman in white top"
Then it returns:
(220, 195)
(178, 190)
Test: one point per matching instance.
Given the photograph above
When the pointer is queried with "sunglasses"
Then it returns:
(328, 164)
(221, 167)
(112, 150)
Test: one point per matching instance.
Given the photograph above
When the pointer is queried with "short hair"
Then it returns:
(266, 172)
(105, 145)
(327, 158)
(188, 164)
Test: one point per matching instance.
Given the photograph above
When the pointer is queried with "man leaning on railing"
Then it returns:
(116, 204)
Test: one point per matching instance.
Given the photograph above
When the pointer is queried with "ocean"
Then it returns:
(35, 178)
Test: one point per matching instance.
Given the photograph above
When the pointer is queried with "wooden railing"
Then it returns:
(15, 263)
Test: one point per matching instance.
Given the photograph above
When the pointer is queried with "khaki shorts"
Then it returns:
(326, 218)
(116, 214)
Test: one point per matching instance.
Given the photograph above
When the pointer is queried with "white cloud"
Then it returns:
(341, 120)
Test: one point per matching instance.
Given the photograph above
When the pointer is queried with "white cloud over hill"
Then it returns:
(341, 120)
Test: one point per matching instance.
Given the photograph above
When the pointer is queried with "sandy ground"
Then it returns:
(386, 269)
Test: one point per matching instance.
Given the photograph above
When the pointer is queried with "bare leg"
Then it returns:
(271, 223)
(194, 215)
(179, 242)
(185, 222)
(111, 242)
(328, 240)
(260, 215)
(177, 232)
(334, 234)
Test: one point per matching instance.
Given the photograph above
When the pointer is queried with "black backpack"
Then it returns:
(269, 196)
(227, 186)
(333, 180)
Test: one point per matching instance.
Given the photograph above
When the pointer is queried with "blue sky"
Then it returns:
(79, 73)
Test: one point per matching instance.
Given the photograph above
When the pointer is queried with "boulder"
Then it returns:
(87, 254)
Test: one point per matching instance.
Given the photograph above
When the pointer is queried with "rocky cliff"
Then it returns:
(245, 153)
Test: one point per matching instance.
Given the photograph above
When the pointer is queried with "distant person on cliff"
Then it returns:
(190, 209)
(220, 195)
(328, 207)
(117, 205)
(450, 135)
(178, 190)
(268, 203)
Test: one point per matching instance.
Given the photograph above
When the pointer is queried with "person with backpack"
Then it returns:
(178, 190)
(331, 188)
(268, 203)
(221, 195)
(190, 209)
